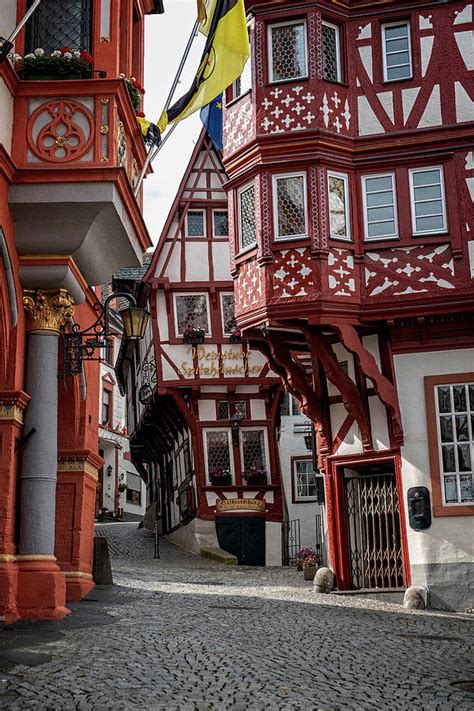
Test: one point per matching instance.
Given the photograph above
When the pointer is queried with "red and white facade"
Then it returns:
(70, 151)
(351, 181)
(209, 421)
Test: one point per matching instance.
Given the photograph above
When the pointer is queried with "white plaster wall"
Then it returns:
(6, 115)
(257, 410)
(162, 315)
(291, 444)
(207, 410)
(221, 261)
(449, 539)
(197, 262)
(273, 543)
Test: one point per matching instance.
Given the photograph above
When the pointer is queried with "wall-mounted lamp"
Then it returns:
(109, 470)
(265, 331)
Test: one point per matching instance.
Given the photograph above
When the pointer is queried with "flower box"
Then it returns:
(223, 480)
(60, 65)
(50, 76)
(193, 339)
(257, 479)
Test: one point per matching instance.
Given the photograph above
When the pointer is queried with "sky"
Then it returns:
(165, 40)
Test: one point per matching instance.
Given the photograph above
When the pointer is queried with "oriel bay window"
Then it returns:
(379, 206)
(289, 201)
(339, 220)
(192, 314)
(331, 52)
(287, 51)
(427, 200)
(247, 223)
(60, 23)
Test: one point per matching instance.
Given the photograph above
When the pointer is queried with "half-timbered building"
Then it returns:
(205, 405)
(350, 190)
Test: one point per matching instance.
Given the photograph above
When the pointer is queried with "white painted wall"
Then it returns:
(449, 539)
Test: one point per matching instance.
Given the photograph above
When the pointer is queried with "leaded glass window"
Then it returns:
(191, 313)
(223, 410)
(253, 452)
(396, 51)
(455, 416)
(339, 206)
(241, 409)
(288, 51)
(331, 53)
(427, 199)
(221, 223)
(218, 455)
(247, 217)
(379, 203)
(305, 486)
(59, 23)
(290, 206)
(195, 226)
(229, 323)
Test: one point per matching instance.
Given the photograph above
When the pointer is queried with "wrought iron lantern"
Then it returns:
(83, 345)
(308, 436)
(235, 421)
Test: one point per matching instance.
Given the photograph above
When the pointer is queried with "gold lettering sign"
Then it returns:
(212, 364)
(223, 505)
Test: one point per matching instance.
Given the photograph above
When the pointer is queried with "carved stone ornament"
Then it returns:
(47, 309)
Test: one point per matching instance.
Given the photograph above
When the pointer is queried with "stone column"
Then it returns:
(47, 311)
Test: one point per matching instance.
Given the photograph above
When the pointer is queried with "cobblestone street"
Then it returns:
(185, 633)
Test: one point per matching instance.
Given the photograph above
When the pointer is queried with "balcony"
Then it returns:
(76, 170)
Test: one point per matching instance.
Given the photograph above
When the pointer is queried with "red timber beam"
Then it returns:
(321, 348)
(385, 390)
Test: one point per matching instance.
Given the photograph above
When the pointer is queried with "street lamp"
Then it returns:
(82, 345)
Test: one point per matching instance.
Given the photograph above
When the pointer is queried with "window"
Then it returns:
(287, 51)
(223, 410)
(192, 312)
(60, 23)
(106, 407)
(331, 53)
(455, 429)
(247, 217)
(218, 455)
(240, 408)
(427, 200)
(220, 223)
(244, 82)
(379, 207)
(109, 352)
(229, 323)
(253, 452)
(305, 480)
(396, 51)
(134, 489)
(289, 406)
(289, 193)
(195, 224)
(339, 206)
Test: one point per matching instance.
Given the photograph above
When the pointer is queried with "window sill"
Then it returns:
(396, 81)
(312, 500)
(245, 252)
(236, 99)
(280, 82)
(376, 240)
(454, 510)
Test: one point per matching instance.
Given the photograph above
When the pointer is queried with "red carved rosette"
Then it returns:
(60, 131)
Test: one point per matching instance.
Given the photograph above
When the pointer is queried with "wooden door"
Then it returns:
(244, 537)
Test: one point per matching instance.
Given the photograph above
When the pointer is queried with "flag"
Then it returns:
(211, 116)
(150, 131)
(225, 53)
(201, 11)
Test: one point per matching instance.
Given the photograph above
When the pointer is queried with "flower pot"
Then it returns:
(253, 481)
(309, 571)
(194, 340)
(299, 565)
(221, 481)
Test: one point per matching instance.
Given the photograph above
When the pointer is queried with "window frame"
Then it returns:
(222, 295)
(220, 209)
(265, 444)
(345, 178)
(240, 191)
(191, 293)
(203, 212)
(338, 52)
(294, 485)
(364, 178)
(441, 230)
(431, 382)
(227, 430)
(384, 53)
(285, 23)
(275, 178)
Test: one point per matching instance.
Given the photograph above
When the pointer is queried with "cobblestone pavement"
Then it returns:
(182, 633)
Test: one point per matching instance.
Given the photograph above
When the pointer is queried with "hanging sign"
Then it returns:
(226, 505)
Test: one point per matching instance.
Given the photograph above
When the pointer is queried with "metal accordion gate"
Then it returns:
(373, 529)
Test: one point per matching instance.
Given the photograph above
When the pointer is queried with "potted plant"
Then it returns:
(136, 93)
(301, 554)
(236, 336)
(220, 477)
(310, 566)
(255, 475)
(194, 335)
(122, 487)
(64, 63)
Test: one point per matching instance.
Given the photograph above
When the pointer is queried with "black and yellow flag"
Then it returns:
(225, 53)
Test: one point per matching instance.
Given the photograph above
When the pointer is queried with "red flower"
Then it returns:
(140, 114)
(86, 57)
(65, 49)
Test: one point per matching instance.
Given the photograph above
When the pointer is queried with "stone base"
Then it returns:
(41, 590)
(8, 591)
(78, 586)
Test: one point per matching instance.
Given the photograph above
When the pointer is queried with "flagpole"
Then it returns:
(8, 43)
(153, 152)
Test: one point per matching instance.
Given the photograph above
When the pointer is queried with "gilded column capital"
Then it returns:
(47, 308)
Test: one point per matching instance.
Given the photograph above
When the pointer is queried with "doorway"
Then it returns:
(374, 540)
(244, 537)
